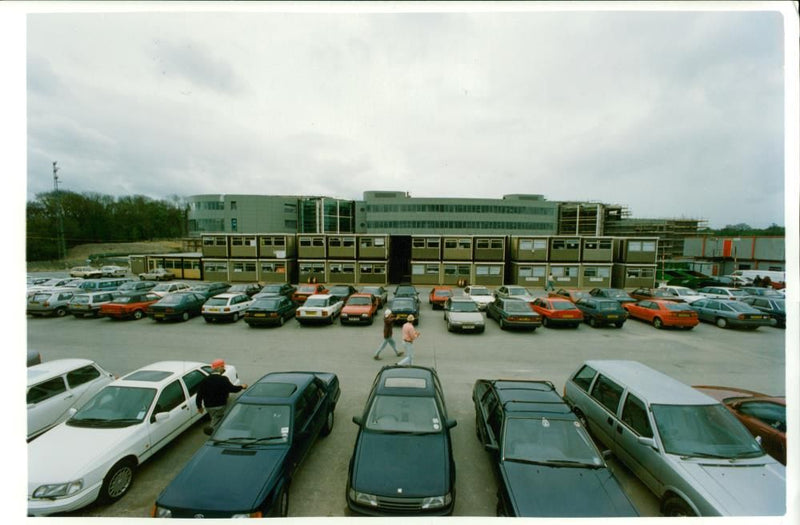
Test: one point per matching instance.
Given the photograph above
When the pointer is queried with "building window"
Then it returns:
(215, 266)
(208, 241)
(233, 205)
(236, 241)
(450, 244)
(220, 241)
(234, 224)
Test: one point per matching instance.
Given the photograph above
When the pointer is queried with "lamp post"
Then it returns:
(62, 247)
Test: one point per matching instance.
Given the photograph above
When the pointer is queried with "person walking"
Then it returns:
(213, 393)
(388, 324)
(550, 283)
(410, 335)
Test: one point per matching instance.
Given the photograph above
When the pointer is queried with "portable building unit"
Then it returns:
(243, 246)
(566, 249)
(215, 269)
(636, 250)
(488, 273)
(243, 271)
(340, 272)
(277, 246)
(215, 246)
(182, 266)
(595, 275)
(633, 275)
(276, 270)
(534, 249)
(565, 275)
(311, 246)
(456, 273)
(342, 247)
(456, 248)
(137, 264)
(597, 249)
(373, 247)
(490, 248)
(372, 272)
(529, 274)
(426, 247)
(311, 271)
(426, 272)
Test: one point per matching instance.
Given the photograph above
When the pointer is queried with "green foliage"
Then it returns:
(92, 217)
(744, 229)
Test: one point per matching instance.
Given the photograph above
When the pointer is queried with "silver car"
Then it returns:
(513, 291)
(685, 446)
(54, 303)
(462, 313)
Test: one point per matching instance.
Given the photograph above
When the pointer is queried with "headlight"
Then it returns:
(436, 502)
(364, 499)
(344, 316)
(59, 490)
(364, 316)
(160, 512)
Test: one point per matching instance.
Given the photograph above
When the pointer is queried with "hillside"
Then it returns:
(77, 255)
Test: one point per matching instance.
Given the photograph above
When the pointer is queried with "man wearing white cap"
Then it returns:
(388, 324)
(410, 334)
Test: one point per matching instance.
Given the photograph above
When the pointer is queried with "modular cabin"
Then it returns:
(566, 249)
(342, 247)
(373, 247)
(636, 250)
(243, 271)
(566, 275)
(488, 273)
(277, 246)
(597, 249)
(456, 273)
(243, 246)
(311, 246)
(456, 248)
(215, 246)
(372, 272)
(633, 275)
(215, 269)
(137, 264)
(426, 272)
(340, 272)
(534, 249)
(311, 271)
(491, 248)
(595, 275)
(181, 265)
(277, 270)
(529, 274)
(426, 247)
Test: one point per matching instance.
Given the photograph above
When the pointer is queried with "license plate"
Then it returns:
(684, 315)
(757, 317)
(468, 326)
(613, 316)
(213, 309)
(311, 313)
(569, 316)
(158, 316)
(259, 315)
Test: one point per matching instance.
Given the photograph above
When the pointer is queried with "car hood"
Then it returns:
(483, 299)
(65, 453)
(539, 490)
(220, 478)
(742, 488)
(466, 317)
(356, 309)
(407, 464)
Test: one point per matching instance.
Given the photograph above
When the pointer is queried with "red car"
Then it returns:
(557, 311)
(439, 295)
(305, 290)
(132, 305)
(571, 295)
(359, 308)
(661, 313)
(763, 415)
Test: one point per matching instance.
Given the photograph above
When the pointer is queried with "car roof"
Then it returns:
(400, 376)
(148, 375)
(460, 299)
(656, 387)
(226, 295)
(319, 296)
(54, 368)
(531, 398)
(277, 388)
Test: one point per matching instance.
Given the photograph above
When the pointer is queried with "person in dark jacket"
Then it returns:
(213, 393)
(388, 324)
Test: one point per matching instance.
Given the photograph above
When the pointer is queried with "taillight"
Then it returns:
(45, 304)
(170, 310)
(741, 317)
(226, 309)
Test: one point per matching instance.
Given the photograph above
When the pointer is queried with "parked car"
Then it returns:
(599, 311)
(94, 454)
(405, 417)
(226, 307)
(209, 290)
(722, 292)
(49, 303)
(513, 313)
(342, 291)
(128, 306)
(480, 294)
(687, 295)
(273, 289)
(359, 308)
(728, 312)
(439, 295)
(269, 310)
(687, 448)
(304, 291)
(87, 272)
(319, 308)
(512, 291)
(250, 289)
(55, 284)
(556, 311)
(164, 289)
(402, 307)
(617, 294)
(763, 415)
(88, 304)
(640, 294)
(406, 290)
(178, 305)
(569, 294)
(762, 292)
(253, 454)
(104, 284)
(56, 386)
(113, 271)
(662, 313)
(378, 291)
(136, 286)
(462, 314)
(774, 306)
(159, 274)
(545, 463)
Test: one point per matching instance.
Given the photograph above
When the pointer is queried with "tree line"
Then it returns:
(93, 217)
(746, 230)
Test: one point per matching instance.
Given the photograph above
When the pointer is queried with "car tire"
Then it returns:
(675, 507)
(185, 316)
(545, 322)
(592, 322)
(722, 322)
(118, 481)
(138, 314)
(281, 320)
(60, 312)
(235, 317)
(207, 319)
(619, 324)
(688, 327)
(502, 324)
(328, 426)
(657, 323)
(283, 502)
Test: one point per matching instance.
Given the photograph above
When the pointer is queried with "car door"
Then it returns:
(642, 458)
(173, 401)
(602, 411)
(767, 420)
(47, 401)
(307, 423)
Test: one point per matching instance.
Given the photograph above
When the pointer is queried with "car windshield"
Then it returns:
(607, 307)
(463, 306)
(374, 290)
(359, 301)
(317, 302)
(517, 291)
(687, 291)
(265, 303)
(678, 307)
(413, 414)
(217, 301)
(340, 290)
(517, 306)
(250, 423)
(549, 441)
(115, 406)
(479, 291)
(403, 304)
(738, 293)
(124, 299)
(81, 299)
(780, 304)
(740, 307)
(617, 294)
(703, 431)
(562, 305)
(307, 288)
(163, 287)
(405, 290)
(271, 288)
(173, 299)
(443, 293)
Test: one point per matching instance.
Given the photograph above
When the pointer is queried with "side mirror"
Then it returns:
(357, 420)
(72, 411)
(161, 416)
(490, 447)
(649, 442)
(607, 454)
(450, 423)
(759, 439)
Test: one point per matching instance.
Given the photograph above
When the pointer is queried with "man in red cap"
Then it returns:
(213, 392)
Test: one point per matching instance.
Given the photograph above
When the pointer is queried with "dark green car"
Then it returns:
(270, 311)
(600, 312)
(513, 313)
(175, 306)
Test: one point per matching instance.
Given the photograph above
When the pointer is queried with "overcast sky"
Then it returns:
(674, 114)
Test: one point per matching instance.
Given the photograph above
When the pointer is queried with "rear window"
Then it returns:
(517, 306)
(82, 375)
(607, 393)
(217, 301)
(562, 305)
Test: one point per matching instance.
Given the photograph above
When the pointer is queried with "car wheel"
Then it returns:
(619, 324)
(185, 316)
(676, 507)
(478, 424)
(281, 320)
(688, 327)
(449, 327)
(545, 322)
(722, 322)
(592, 322)
(283, 502)
(235, 317)
(207, 319)
(61, 312)
(502, 324)
(326, 429)
(141, 278)
(118, 480)
(138, 314)
(658, 323)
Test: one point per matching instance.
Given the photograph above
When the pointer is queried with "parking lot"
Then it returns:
(705, 355)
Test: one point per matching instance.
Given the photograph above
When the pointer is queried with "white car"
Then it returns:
(114, 271)
(56, 386)
(512, 291)
(94, 453)
(163, 289)
(87, 272)
(227, 306)
(462, 313)
(682, 292)
(319, 308)
(481, 295)
(722, 292)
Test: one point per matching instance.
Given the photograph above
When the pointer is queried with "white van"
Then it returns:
(774, 276)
